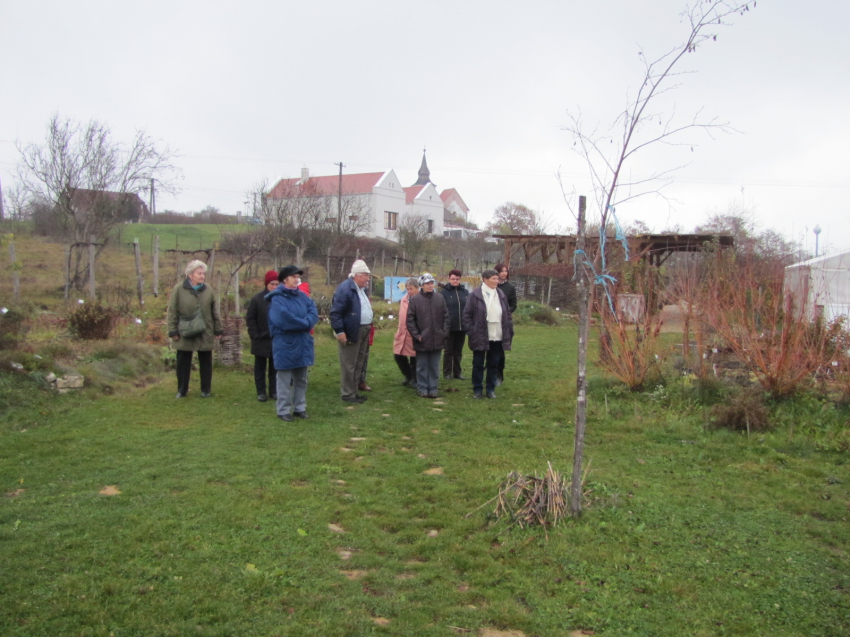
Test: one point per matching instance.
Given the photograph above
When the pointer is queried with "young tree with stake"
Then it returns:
(608, 155)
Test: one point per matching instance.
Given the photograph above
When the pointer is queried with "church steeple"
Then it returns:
(424, 173)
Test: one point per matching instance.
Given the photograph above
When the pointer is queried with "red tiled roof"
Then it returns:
(411, 192)
(356, 184)
(451, 194)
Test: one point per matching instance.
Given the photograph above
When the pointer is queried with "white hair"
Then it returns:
(194, 265)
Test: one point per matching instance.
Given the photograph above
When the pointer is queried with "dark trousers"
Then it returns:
(184, 370)
(489, 360)
(453, 353)
(351, 358)
(263, 368)
(365, 369)
(407, 366)
(501, 370)
(428, 371)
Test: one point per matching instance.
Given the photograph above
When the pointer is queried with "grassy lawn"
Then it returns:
(230, 522)
(175, 236)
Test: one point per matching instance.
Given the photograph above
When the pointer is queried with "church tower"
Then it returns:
(424, 173)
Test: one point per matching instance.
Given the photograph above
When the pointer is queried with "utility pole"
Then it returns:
(339, 200)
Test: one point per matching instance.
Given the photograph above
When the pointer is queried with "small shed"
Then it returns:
(820, 287)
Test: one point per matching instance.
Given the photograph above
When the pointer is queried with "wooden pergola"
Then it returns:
(560, 249)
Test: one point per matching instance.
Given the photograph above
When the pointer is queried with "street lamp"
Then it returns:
(816, 230)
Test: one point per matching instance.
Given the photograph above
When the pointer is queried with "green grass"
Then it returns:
(172, 236)
(221, 527)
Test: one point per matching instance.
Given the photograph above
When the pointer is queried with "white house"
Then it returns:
(379, 195)
(820, 286)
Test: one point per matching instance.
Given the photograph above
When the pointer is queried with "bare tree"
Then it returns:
(413, 236)
(608, 155)
(85, 175)
(243, 248)
(296, 211)
(516, 218)
(348, 218)
(18, 204)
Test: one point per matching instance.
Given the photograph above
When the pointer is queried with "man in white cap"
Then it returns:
(351, 320)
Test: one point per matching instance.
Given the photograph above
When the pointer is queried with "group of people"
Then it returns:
(281, 318)
(433, 324)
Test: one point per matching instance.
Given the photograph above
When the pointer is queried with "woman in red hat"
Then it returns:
(257, 320)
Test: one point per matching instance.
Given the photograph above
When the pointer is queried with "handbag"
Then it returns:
(192, 325)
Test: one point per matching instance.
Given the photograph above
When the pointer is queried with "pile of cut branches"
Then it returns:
(529, 500)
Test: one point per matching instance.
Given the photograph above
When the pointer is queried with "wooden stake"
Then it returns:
(67, 272)
(140, 283)
(581, 380)
(16, 277)
(156, 266)
(91, 268)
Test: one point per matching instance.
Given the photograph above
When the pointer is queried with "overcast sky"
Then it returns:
(259, 89)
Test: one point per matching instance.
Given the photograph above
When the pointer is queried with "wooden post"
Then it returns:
(67, 271)
(156, 266)
(91, 268)
(549, 296)
(211, 266)
(236, 292)
(581, 381)
(140, 282)
(218, 296)
(16, 277)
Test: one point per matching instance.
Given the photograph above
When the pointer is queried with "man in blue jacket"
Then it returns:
(351, 320)
(292, 314)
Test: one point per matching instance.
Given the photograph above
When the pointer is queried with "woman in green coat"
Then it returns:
(188, 297)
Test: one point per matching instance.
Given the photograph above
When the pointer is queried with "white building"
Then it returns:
(820, 287)
(378, 195)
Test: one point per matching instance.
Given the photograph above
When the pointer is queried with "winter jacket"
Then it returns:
(257, 320)
(428, 321)
(510, 292)
(403, 341)
(475, 319)
(455, 302)
(185, 301)
(345, 310)
(292, 314)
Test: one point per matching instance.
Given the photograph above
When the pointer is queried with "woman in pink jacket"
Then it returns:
(405, 355)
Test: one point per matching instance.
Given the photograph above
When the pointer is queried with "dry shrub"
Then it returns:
(743, 301)
(11, 328)
(155, 334)
(92, 321)
(745, 411)
(628, 350)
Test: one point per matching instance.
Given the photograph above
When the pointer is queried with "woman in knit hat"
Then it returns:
(257, 319)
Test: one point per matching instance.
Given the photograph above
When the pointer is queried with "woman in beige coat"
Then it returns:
(187, 297)
(405, 355)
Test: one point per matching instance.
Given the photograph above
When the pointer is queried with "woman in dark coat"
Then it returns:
(291, 317)
(490, 330)
(428, 324)
(455, 295)
(257, 320)
(510, 294)
(187, 297)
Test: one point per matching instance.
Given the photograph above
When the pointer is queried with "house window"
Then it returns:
(390, 220)
(430, 226)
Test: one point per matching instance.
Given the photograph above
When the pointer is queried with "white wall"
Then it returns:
(387, 196)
